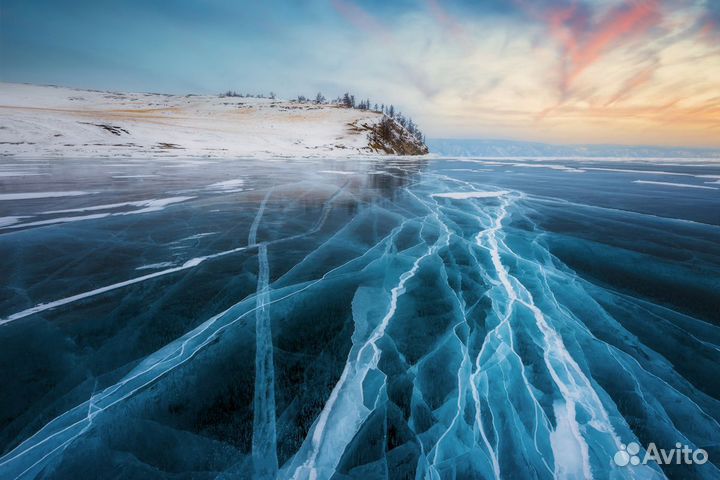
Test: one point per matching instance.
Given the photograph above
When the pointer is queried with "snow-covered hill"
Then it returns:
(47, 121)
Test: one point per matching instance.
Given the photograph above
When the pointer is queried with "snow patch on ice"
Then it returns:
(562, 168)
(133, 176)
(153, 266)
(34, 195)
(466, 195)
(670, 184)
(53, 221)
(196, 237)
(566, 445)
(649, 172)
(5, 221)
(337, 172)
(194, 262)
(227, 185)
(19, 174)
(149, 206)
(157, 205)
(152, 203)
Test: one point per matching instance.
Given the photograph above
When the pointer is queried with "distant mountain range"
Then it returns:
(510, 148)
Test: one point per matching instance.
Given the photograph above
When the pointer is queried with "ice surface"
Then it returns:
(415, 320)
(671, 184)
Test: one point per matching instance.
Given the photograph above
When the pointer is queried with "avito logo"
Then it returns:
(680, 455)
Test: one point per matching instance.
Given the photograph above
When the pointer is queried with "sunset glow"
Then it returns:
(628, 72)
(568, 71)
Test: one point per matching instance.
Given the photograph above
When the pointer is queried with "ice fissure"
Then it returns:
(264, 442)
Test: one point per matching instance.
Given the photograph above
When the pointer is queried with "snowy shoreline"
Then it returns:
(57, 122)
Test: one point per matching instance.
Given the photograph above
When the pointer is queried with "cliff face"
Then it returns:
(389, 137)
(45, 121)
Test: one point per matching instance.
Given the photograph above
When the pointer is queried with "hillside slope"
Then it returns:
(46, 121)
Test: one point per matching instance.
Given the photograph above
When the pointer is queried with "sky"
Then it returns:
(559, 71)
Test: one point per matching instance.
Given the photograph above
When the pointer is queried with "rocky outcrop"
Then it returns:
(387, 136)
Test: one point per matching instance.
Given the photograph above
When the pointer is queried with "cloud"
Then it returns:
(585, 33)
(363, 20)
(558, 70)
(448, 22)
(709, 23)
(640, 78)
(360, 18)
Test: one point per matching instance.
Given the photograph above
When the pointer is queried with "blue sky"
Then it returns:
(177, 46)
(632, 71)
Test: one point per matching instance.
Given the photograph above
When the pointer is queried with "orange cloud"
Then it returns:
(636, 73)
(616, 25)
(584, 42)
(641, 78)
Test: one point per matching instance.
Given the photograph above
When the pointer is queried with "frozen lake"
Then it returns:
(371, 318)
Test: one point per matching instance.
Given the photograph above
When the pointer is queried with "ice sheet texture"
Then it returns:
(417, 319)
